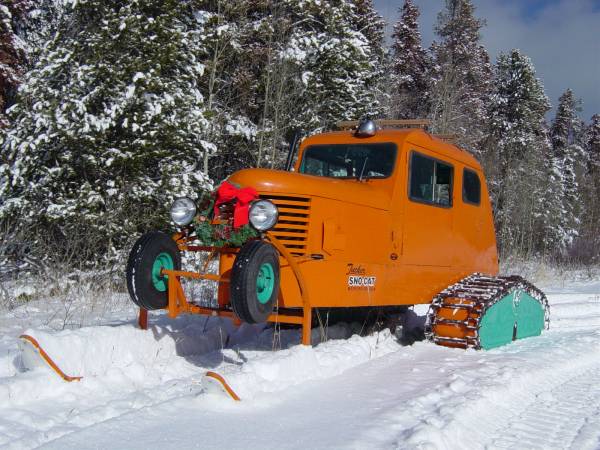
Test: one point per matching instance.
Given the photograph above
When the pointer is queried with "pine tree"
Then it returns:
(516, 171)
(461, 75)
(109, 123)
(337, 68)
(566, 135)
(589, 241)
(366, 20)
(40, 24)
(369, 22)
(266, 36)
(592, 148)
(410, 67)
(275, 67)
(252, 86)
(13, 53)
(229, 85)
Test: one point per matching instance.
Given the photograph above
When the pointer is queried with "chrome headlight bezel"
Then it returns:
(183, 211)
(266, 208)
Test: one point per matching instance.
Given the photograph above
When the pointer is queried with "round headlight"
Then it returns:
(183, 211)
(263, 215)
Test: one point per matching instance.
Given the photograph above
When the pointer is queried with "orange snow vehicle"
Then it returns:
(369, 217)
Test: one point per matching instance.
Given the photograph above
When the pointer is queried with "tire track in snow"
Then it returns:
(503, 407)
(522, 390)
(565, 416)
(24, 428)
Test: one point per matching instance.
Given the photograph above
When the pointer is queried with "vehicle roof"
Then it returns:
(414, 136)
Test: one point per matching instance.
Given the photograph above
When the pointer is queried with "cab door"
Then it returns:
(428, 212)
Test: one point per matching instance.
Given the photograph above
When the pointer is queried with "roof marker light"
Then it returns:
(366, 128)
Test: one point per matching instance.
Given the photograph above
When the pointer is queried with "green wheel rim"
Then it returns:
(162, 261)
(265, 283)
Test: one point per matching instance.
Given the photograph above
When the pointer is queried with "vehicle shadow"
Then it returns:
(210, 342)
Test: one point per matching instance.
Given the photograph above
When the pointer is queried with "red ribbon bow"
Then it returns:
(228, 192)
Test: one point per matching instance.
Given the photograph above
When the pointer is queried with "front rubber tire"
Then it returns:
(150, 253)
(255, 281)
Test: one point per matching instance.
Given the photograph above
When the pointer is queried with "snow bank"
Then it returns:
(124, 354)
(277, 371)
(124, 350)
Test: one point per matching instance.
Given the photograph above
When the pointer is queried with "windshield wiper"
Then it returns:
(362, 171)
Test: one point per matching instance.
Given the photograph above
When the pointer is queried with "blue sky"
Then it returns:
(562, 38)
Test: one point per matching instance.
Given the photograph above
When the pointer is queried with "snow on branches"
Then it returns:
(13, 51)
(110, 118)
(410, 66)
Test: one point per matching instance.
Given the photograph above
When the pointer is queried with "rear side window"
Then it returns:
(430, 180)
(471, 191)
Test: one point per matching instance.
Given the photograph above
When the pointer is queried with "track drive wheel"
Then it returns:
(255, 281)
(486, 312)
(150, 254)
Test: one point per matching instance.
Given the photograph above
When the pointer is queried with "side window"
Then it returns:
(471, 191)
(430, 180)
(422, 171)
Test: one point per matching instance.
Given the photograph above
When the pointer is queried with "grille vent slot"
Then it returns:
(294, 219)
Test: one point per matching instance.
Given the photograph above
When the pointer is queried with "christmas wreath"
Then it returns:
(235, 230)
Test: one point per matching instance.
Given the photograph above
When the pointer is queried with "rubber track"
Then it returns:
(476, 293)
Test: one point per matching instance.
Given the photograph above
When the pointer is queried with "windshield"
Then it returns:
(349, 160)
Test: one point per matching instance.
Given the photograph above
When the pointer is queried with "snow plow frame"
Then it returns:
(178, 303)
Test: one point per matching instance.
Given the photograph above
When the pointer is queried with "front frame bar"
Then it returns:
(178, 304)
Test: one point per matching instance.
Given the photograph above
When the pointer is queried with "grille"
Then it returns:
(294, 218)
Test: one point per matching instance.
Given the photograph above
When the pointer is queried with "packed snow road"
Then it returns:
(144, 389)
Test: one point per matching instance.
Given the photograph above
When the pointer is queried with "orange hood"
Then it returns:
(365, 193)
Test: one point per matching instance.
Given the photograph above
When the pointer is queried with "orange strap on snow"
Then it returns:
(224, 383)
(47, 358)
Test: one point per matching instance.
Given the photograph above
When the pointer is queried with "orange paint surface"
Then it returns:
(366, 243)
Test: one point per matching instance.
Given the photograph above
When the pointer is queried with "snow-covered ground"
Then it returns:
(144, 389)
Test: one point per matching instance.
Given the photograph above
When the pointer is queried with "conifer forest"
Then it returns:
(110, 109)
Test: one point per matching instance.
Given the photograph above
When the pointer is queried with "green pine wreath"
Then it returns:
(222, 234)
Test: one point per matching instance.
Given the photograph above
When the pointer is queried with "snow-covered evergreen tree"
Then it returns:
(566, 157)
(247, 83)
(461, 75)
(410, 67)
(270, 65)
(13, 52)
(592, 147)
(588, 242)
(228, 87)
(336, 66)
(40, 24)
(516, 171)
(109, 123)
(266, 81)
(366, 20)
